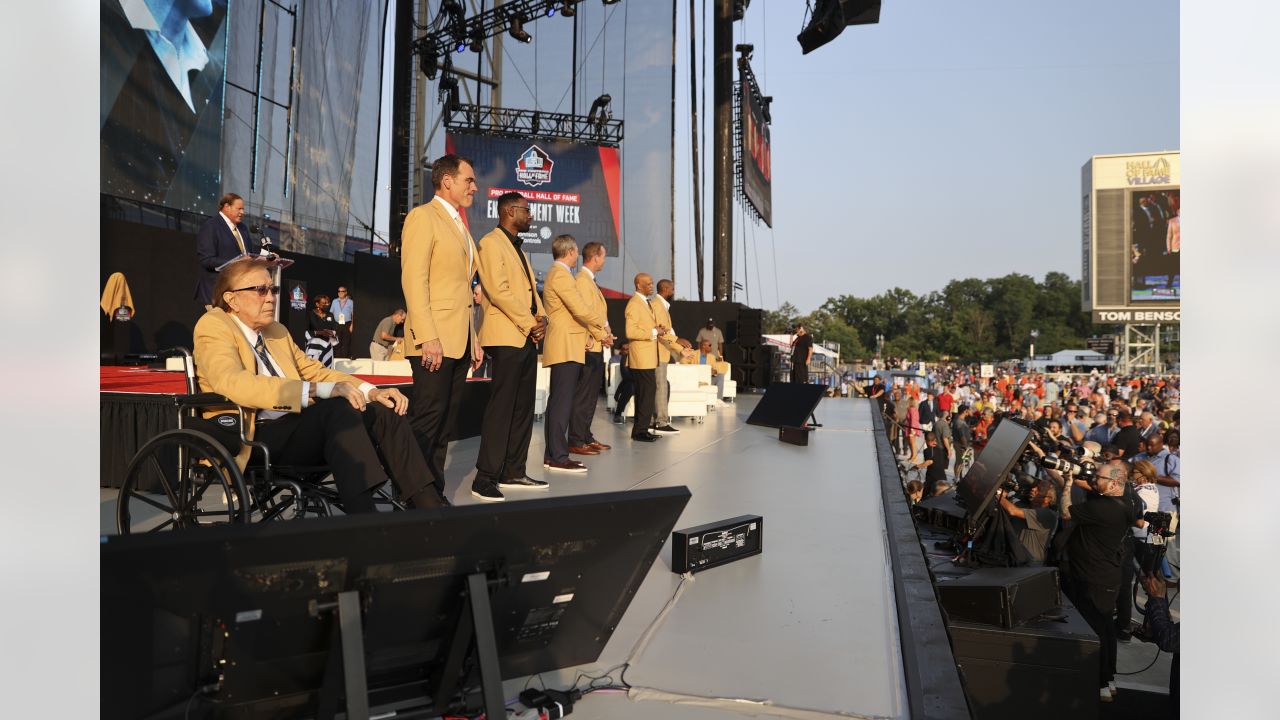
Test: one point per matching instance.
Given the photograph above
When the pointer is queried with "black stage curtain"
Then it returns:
(127, 422)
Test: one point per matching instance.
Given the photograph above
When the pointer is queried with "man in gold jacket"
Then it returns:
(514, 322)
(306, 413)
(570, 322)
(706, 356)
(645, 336)
(662, 311)
(438, 259)
(581, 440)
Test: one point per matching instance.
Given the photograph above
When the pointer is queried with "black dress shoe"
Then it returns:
(487, 491)
(524, 483)
(647, 437)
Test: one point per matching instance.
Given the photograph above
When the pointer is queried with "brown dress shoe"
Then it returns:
(597, 445)
(583, 450)
(572, 466)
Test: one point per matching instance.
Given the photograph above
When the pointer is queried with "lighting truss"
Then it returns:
(534, 124)
(451, 32)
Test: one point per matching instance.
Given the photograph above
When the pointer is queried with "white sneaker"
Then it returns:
(1104, 694)
(1111, 685)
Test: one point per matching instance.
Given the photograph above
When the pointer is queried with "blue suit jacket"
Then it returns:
(215, 245)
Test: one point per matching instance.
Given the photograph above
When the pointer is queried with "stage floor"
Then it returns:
(807, 629)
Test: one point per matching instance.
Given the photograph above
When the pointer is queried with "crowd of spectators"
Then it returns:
(1092, 524)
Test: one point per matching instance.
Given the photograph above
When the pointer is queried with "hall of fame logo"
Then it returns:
(534, 167)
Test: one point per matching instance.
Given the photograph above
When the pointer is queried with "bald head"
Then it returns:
(644, 283)
(1111, 477)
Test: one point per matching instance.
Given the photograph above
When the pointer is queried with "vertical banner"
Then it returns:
(756, 156)
(572, 188)
(161, 88)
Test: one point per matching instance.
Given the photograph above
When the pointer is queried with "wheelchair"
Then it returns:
(188, 477)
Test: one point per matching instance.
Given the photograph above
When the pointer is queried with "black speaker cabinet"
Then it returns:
(942, 511)
(1000, 596)
(1046, 669)
(794, 435)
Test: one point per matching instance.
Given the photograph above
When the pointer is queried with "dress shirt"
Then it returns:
(178, 57)
(344, 309)
(323, 389)
(457, 219)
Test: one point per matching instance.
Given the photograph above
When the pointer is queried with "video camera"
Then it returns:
(1150, 552)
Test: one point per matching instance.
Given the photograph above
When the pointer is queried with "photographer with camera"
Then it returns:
(1159, 629)
(1033, 516)
(1141, 547)
(1094, 552)
(1168, 483)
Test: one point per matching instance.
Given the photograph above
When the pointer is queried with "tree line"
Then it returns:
(968, 320)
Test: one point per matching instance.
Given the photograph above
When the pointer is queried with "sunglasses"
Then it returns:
(262, 290)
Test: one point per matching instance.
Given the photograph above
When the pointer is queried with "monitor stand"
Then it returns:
(473, 633)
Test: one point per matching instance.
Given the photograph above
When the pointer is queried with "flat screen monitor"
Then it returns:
(978, 488)
(233, 609)
(787, 405)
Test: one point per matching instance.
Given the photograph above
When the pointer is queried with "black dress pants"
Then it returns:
(343, 348)
(1097, 605)
(433, 409)
(799, 371)
(361, 448)
(508, 419)
(646, 393)
(564, 385)
(1124, 599)
(584, 400)
(626, 389)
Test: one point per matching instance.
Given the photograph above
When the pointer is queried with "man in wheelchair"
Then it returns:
(305, 413)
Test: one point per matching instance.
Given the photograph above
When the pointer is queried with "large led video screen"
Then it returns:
(161, 100)
(757, 155)
(572, 188)
(1155, 245)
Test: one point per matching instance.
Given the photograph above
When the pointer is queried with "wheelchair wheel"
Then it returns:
(180, 479)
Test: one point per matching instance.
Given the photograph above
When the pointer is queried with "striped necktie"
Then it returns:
(261, 349)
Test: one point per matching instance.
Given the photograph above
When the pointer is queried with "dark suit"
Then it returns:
(929, 412)
(215, 245)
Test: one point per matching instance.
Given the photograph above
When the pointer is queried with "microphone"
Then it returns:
(262, 238)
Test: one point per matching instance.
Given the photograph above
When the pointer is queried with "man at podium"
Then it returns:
(220, 240)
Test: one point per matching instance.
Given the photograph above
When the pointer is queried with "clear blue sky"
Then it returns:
(945, 142)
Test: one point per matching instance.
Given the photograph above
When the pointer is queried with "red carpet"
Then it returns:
(145, 380)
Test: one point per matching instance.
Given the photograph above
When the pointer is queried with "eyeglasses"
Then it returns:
(520, 207)
(262, 290)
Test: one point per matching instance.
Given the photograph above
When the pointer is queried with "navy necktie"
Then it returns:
(261, 349)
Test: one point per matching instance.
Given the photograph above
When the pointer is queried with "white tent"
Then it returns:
(784, 342)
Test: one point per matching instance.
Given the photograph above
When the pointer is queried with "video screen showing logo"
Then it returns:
(534, 167)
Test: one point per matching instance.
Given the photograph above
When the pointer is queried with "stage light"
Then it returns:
(600, 110)
(746, 50)
(515, 28)
(567, 8)
(462, 46)
(830, 18)
(610, 2)
(428, 62)
(477, 42)
(449, 91)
